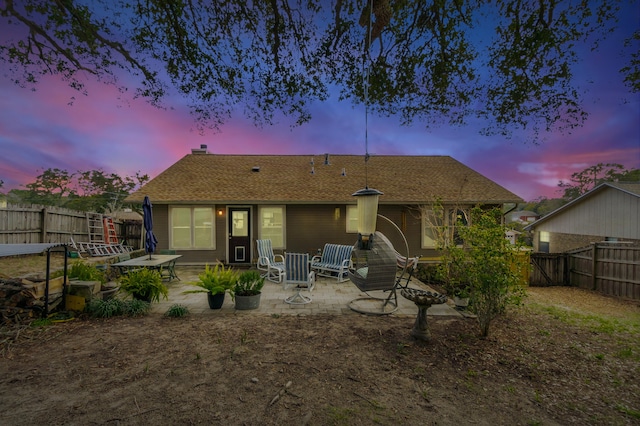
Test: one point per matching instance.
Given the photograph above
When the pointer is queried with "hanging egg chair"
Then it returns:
(376, 269)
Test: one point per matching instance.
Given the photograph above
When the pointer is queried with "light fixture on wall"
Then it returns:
(220, 212)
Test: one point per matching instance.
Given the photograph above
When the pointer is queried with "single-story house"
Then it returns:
(609, 212)
(212, 207)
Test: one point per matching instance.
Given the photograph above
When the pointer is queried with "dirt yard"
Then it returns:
(567, 357)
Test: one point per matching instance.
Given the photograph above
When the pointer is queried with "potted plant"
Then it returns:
(215, 282)
(247, 290)
(85, 280)
(144, 284)
(82, 271)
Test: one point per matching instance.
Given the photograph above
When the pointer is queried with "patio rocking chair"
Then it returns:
(271, 264)
(298, 273)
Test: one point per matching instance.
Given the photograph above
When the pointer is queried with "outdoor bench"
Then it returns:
(334, 261)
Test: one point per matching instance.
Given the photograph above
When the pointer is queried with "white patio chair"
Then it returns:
(299, 274)
(271, 265)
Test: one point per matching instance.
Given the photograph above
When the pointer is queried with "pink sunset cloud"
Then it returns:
(111, 131)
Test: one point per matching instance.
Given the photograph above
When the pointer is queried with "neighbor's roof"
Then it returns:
(632, 188)
(206, 178)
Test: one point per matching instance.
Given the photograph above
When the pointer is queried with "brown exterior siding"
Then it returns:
(309, 227)
(311, 199)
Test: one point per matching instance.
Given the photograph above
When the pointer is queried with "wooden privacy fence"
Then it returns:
(48, 224)
(612, 269)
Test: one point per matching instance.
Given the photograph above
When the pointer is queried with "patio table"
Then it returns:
(157, 261)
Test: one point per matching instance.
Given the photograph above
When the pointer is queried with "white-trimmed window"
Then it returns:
(543, 243)
(352, 219)
(271, 222)
(438, 227)
(432, 227)
(192, 228)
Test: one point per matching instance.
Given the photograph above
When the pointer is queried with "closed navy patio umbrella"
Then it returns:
(150, 240)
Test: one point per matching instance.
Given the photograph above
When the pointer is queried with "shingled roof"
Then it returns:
(303, 179)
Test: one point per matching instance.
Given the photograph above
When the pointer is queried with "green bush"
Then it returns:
(145, 284)
(105, 308)
(216, 280)
(99, 308)
(177, 311)
(249, 283)
(82, 271)
(136, 308)
(488, 265)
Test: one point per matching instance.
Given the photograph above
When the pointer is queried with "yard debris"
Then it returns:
(17, 303)
(282, 392)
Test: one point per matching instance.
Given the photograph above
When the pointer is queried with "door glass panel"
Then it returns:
(240, 226)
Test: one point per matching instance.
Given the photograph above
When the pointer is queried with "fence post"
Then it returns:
(594, 265)
(43, 233)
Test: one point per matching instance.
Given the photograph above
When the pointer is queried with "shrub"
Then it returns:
(105, 308)
(177, 311)
(83, 271)
(216, 280)
(489, 265)
(145, 284)
(249, 283)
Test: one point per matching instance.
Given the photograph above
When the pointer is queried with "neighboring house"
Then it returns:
(609, 212)
(212, 207)
(524, 217)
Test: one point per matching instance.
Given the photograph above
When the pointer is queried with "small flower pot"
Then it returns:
(215, 300)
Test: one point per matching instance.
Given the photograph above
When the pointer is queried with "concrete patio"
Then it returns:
(328, 297)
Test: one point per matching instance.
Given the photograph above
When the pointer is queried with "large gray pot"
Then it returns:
(244, 303)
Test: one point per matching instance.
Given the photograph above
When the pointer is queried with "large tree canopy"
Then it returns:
(507, 62)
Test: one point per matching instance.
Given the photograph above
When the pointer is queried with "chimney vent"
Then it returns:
(201, 150)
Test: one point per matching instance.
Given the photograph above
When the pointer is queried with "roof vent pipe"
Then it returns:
(255, 169)
(344, 172)
(326, 159)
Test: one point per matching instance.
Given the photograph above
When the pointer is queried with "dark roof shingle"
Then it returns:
(198, 178)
